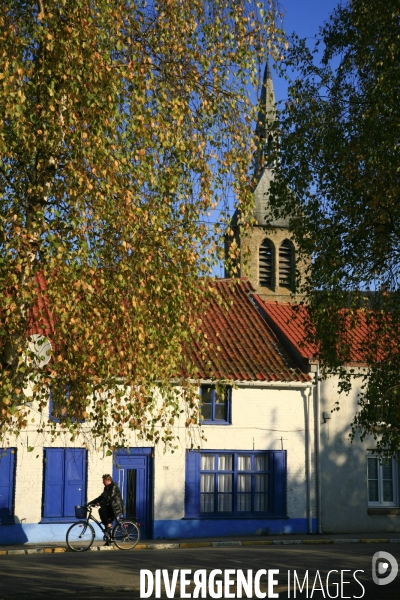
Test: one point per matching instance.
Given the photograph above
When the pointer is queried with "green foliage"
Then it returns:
(123, 124)
(338, 178)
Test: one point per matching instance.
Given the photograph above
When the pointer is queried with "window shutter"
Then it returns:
(7, 470)
(279, 485)
(53, 482)
(64, 481)
(285, 265)
(265, 264)
(75, 480)
(192, 483)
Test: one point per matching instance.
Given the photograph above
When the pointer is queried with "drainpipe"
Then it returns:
(309, 512)
(318, 449)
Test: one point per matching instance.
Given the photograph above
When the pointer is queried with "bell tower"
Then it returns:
(267, 255)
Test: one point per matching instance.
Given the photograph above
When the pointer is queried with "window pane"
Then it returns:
(260, 502)
(244, 463)
(207, 483)
(220, 412)
(206, 394)
(224, 502)
(387, 489)
(221, 397)
(244, 502)
(206, 411)
(261, 463)
(387, 469)
(225, 488)
(207, 462)
(244, 483)
(373, 495)
(207, 503)
(224, 483)
(225, 462)
(261, 483)
(372, 468)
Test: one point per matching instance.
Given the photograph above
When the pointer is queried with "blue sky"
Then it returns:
(303, 17)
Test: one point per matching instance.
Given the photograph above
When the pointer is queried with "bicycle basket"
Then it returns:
(80, 512)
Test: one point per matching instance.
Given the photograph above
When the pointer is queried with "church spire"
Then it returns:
(266, 116)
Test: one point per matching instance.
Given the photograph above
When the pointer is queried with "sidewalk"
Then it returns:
(342, 538)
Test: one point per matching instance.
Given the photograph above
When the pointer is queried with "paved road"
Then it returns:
(103, 575)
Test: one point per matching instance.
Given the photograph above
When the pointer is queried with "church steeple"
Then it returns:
(264, 163)
(265, 118)
(267, 251)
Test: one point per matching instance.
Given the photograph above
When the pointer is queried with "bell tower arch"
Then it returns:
(268, 256)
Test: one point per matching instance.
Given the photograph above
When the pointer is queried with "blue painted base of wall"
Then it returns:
(37, 533)
(47, 533)
(200, 528)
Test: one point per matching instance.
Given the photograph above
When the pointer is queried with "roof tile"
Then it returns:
(249, 350)
(291, 321)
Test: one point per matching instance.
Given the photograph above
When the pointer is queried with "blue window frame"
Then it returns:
(64, 482)
(215, 408)
(235, 483)
(7, 483)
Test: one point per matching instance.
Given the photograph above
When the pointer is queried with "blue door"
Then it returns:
(132, 471)
(64, 482)
(7, 470)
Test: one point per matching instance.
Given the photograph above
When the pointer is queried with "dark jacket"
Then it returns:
(111, 496)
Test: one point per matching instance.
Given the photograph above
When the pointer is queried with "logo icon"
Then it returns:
(381, 561)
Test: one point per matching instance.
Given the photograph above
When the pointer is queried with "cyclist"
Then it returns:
(110, 502)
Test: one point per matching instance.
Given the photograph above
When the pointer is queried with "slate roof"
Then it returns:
(291, 322)
(249, 350)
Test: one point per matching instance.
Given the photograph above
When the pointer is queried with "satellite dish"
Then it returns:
(40, 347)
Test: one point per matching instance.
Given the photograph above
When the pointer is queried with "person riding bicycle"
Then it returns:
(110, 502)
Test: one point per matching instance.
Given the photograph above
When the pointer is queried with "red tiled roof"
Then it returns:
(291, 321)
(249, 350)
(242, 346)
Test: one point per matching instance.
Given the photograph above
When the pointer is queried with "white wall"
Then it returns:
(344, 469)
(262, 419)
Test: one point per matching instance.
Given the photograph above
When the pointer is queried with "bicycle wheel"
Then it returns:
(80, 536)
(126, 535)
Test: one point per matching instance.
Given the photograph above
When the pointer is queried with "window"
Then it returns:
(382, 481)
(7, 482)
(215, 405)
(64, 482)
(235, 484)
(286, 265)
(265, 264)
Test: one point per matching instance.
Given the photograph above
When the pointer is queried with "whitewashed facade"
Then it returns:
(266, 420)
(253, 474)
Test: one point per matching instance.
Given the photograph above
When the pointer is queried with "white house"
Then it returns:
(357, 492)
(254, 474)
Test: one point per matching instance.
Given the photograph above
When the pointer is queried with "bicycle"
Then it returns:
(80, 536)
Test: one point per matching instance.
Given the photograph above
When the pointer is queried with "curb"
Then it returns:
(228, 544)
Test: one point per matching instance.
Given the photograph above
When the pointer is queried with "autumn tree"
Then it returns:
(123, 125)
(337, 177)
